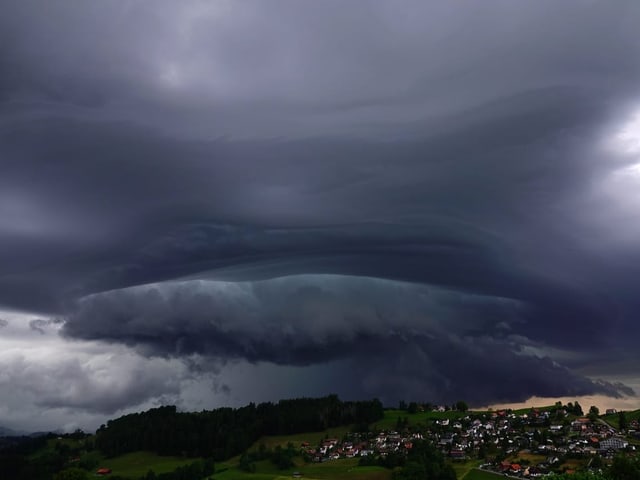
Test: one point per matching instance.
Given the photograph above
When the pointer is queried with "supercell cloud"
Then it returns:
(208, 203)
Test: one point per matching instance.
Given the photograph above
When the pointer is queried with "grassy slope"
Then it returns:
(343, 469)
(388, 422)
(476, 474)
(462, 468)
(313, 438)
(613, 418)
(137, 464)
(526, 410)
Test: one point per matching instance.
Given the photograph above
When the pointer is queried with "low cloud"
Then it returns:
(39, 325)
(400, 340)
(103, 384)
(55, 383)
(294, 320)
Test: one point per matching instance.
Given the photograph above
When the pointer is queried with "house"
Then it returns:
(614, 443)
(456, 453)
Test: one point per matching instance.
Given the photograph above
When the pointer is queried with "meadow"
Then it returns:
(137, 464)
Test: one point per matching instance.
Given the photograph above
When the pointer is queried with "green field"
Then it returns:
(462, 468)
(614, 418)
(527, 410)
(388, 422)
(343, 469)
(313, 438)
(477, 474)
(137, 464)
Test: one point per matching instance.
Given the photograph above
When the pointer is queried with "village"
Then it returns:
(519, 444)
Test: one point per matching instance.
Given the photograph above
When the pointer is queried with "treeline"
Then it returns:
(225, 432)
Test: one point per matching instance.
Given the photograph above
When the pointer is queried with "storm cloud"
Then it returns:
(411, 340)
(407, 198)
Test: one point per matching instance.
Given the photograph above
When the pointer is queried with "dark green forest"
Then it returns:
(225, 432)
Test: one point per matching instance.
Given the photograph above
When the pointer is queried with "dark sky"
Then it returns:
(211, 203)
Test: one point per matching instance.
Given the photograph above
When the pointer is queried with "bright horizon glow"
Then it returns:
(626, 140)
(621, 185)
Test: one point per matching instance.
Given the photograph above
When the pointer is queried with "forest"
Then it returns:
(225, 432)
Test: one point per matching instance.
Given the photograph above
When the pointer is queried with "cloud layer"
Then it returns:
(400, 340)
(400, 200)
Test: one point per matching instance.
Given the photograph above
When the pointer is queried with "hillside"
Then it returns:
(347, 440)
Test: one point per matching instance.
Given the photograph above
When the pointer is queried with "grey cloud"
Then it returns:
(294, 54)
(480, 369)
(88, 396)
(3, 323)
(291, 320)
(454, 146)
(268, 190)
(221, 388)
(39, 325)
(416, 341)
(87, 381)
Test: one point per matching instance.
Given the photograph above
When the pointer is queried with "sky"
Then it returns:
(208, 203)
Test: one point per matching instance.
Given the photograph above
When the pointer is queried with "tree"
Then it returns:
(623, 468)
(577, 409)
(89, 460)
(482, 452)
(593, 413)
(462, 406)
(151, 475)
(399, 424)
(622, 421)
(245, 464)
(424, 461)
(596, 462)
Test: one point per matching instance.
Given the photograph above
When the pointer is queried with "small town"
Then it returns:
(522, 444)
